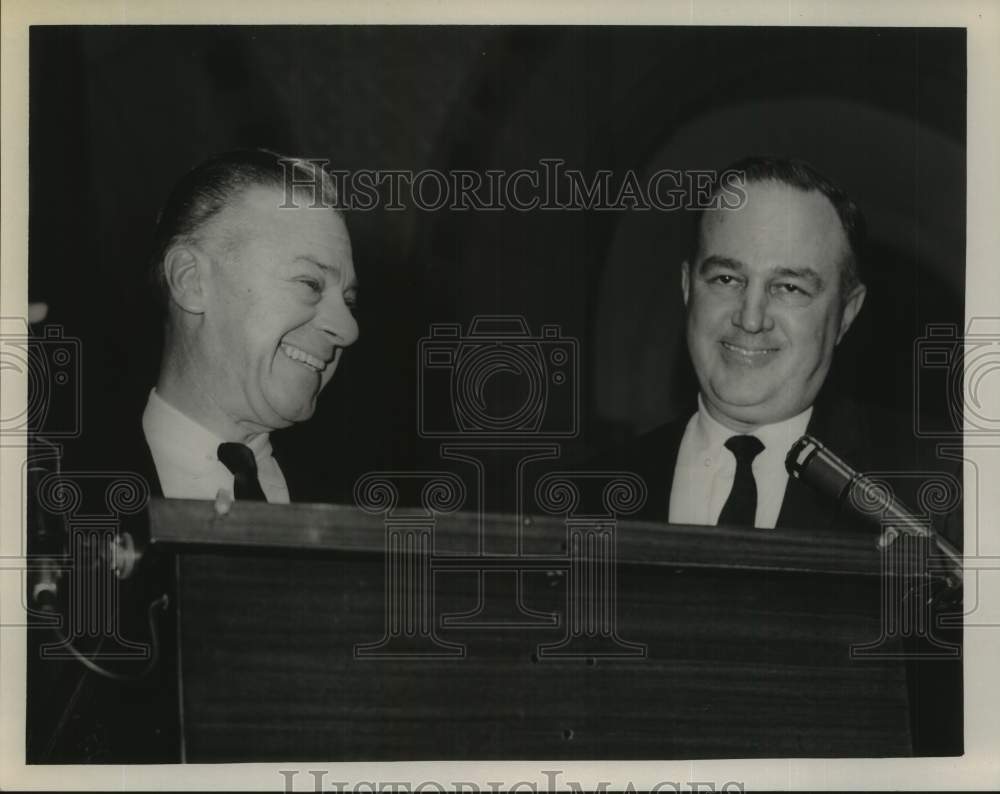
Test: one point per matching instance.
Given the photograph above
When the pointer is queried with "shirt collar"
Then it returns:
(711, 435)
(179, 435)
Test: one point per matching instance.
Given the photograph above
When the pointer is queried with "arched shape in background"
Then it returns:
(117, 113)
(880, 111)
(909, 181)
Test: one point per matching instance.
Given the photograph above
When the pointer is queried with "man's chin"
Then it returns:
(742, 393)
(303, 414)
(285, 413)
(742, 411)
(745, 406)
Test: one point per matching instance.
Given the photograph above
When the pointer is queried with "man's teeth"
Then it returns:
(303, 357)
(743, 351)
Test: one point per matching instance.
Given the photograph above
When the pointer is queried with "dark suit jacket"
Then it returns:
(867, 439)
(78, 716)
(870, 441)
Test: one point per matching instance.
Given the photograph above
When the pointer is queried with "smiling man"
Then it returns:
(770, 288)
(254, 271)
(255, 268)
(769, 295)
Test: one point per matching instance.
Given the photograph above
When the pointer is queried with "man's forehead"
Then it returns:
(274, 202)
(778, 223)
(257, 212)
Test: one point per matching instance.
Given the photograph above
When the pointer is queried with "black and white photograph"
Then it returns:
(569, 402)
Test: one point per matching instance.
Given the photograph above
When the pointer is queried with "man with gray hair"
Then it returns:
(254, 266)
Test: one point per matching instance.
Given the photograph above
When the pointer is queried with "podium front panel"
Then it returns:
(297, 654)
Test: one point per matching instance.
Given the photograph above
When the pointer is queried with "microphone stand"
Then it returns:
(810, 461)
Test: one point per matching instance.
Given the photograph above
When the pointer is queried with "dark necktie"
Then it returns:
(741, 506)
(239, 459)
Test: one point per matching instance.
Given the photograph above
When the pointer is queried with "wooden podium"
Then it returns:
(319, 632)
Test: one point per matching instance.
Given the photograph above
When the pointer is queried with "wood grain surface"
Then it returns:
(313, 527)
(746, 656)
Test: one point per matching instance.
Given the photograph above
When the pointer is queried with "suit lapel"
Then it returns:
(803, 507)
(654, 459)
(833, 421)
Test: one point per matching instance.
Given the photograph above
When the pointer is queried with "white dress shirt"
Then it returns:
(185, 455)
(705, 469)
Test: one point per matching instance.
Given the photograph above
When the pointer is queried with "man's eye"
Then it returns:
(723, 278)
(312, 283)
(351, 300)
(791, 289)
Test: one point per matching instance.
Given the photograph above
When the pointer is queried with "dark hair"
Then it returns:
(216, 183)
(798, 174)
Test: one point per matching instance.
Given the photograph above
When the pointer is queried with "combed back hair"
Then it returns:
(798, 174)
(219, 182)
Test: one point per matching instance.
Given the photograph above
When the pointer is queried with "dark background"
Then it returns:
(118, 114)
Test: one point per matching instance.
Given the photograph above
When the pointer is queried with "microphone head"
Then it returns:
(800, 454)
(810, 461)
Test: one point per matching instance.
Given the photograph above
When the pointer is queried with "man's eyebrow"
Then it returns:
(801, 272)
(721, 261)
(787, 272)
(334, 270)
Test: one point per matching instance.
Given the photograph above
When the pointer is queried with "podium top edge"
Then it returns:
(190, 526)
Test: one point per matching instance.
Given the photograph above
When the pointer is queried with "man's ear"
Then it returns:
(851, 308)
(185, 271)
(685, 280)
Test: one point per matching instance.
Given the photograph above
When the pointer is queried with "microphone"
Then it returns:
(813, 463)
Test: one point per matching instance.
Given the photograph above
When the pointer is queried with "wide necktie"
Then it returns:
(741, 506)
(239, 459)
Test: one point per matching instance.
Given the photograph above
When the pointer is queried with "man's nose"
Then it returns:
(336, 318)
(752, 313)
